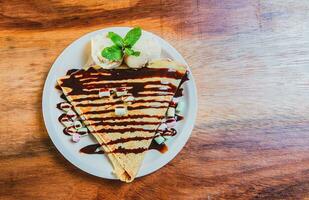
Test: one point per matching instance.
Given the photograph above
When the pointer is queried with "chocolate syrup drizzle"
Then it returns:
(94, 148)
(81, 81)
(87, 82)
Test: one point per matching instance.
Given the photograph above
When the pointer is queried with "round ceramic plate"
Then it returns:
(75, 56)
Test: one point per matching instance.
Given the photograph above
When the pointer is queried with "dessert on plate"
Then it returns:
(126, 96)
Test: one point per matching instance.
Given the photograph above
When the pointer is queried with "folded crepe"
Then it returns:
(146, 95)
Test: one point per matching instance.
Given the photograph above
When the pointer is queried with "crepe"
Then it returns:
(124, 138)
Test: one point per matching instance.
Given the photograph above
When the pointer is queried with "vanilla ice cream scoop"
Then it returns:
(149, 49)
(98, 43)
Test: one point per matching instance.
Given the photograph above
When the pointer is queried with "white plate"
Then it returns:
(75, 56)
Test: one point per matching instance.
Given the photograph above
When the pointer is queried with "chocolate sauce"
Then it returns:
(184, 79)
(127, 123)
(58, 87)
(91, 149)
(81, 80)
(81, 83)
(122, 130)
(123, 74)
(171, 132)
(179, 91)
(178, 118)
(134, 87)
(126, 151)
(121, 117)
(59, 106)
(78, 84)
(162, 148)
(117, 102)
(123, 140)
(62, 96)
(86, 99)
(89, 99)
(64, 117)
(167, 132)
(71, 71)
(95, 112)
(68, 131)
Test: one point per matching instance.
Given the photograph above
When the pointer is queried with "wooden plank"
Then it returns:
(251, 66)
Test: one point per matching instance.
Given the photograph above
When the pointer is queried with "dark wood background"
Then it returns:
(250, 60)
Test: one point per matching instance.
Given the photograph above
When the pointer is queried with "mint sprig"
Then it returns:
(112, 53)
(132, 36)
(117, 39)
(122, 46)
(130, 52)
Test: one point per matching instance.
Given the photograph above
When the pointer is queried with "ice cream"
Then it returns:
(98, 43)
(149, 49)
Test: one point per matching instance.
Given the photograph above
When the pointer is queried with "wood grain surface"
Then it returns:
(250, 60)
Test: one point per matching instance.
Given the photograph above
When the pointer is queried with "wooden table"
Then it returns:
(250, 60)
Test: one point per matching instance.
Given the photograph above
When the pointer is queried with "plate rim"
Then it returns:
(70, 157)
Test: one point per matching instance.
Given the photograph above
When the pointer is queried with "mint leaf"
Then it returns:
(132, 36)
(122, 46)
(113, 53)
(130, 52)
(136, 53)
(115, 38)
